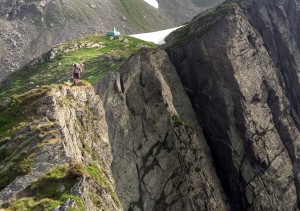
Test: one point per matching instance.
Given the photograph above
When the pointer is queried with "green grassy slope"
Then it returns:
(135, 11)
(46, 193)
(98, 55)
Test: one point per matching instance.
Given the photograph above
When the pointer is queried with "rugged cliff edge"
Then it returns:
(161, 159)
(240, 70)
(59, 155)
(137, 141)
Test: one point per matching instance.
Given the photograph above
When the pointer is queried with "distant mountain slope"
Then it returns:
(182, 11)
(28, 28)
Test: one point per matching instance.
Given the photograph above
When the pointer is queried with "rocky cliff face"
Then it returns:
(240, 70)
(60, 156)
(161, 159)
(138, 141)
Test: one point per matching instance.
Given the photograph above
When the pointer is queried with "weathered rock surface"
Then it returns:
(278, 24)
(161, 159)
(240, 70)
(69, 127)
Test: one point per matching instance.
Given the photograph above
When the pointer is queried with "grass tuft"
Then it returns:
(22, 167)
(48, 192)
(75, 171)
(100, 178)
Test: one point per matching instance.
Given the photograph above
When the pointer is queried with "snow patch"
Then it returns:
(153, 3)
(157, 37)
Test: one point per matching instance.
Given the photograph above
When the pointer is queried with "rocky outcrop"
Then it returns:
(69, 128)
(278, 24)
(238, 65)
(161, 159)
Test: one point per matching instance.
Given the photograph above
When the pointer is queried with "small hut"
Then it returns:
(114, 32)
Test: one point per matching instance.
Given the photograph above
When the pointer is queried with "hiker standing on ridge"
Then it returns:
(76, 74)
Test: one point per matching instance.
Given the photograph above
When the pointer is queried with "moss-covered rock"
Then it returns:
(43, 151)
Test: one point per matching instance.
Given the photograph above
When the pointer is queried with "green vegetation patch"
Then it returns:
(29, 203)
(6, 177)
(22, 107)
(100, 178)
(54, 184)
(176, 120)
(20, 133)
(98, 55)
(3, 153)
(22, 167)
(18, 168)
(47, 192)
(16, 161)
(14, 138)
(96, 200)
(75, 171)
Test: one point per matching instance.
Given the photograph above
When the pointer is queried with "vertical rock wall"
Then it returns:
(278, 24)
(244, 107)
(161, 159)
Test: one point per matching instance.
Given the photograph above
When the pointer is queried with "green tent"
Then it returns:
(114, 32)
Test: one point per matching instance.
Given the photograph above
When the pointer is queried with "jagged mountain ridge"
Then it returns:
(165, 163)
(242, 104)
(28, 28)
(92, 129)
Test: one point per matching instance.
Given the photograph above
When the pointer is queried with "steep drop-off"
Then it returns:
(141, 123)
(57, 154)
(161, 159)
(239, 68)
